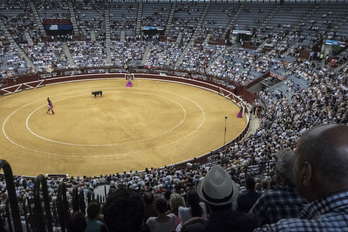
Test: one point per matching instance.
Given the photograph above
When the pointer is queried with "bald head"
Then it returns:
(322, 157)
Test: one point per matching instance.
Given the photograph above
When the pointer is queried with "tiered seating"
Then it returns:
(88, 54)
(288, 16)
(11, 63)
(163, 58)
(50, 10)
(185, 19)
(90, 20)
(155, 14)
(217, 19)
(47, 56)
(18, 20)
(123, 17)
(253, 15)
(128, 53)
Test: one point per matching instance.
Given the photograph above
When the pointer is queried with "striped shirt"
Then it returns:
(327, 214)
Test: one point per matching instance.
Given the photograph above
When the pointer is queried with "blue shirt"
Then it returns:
(93, 225)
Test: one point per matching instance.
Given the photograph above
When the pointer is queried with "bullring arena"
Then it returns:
(152, 124)
(222, 82)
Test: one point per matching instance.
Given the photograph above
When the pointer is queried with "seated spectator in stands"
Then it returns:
(124, 211)
(76, 222)
(195, 209)
(93, 224)
(247, 199)
(150, 210)
(321, 176)
(282, 200)
(164, 222)
(218, 191)
(175, 202)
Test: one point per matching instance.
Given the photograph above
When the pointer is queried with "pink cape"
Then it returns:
(129, 84)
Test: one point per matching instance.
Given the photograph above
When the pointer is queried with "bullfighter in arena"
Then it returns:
(50, 107)
(49, 102)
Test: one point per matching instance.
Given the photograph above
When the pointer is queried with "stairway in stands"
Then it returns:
(13, 42)
(139, 15)
(265, 23)
(233, 20)
(296, 28)
(37, 18)
(195, 34)
(146, 54)
(68, 54)
(73, 19)
(170, 18)
(107, 33)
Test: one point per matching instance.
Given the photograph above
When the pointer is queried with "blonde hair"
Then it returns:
(175, 201)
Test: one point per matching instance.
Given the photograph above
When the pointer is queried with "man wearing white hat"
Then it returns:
(219, 191)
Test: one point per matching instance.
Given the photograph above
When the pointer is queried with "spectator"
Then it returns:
(196, 209)
(93, 224)
(282, 200)
(175, 202)
(76, 222)
(124, 211)
(247, 200)
(164, 222)
(150, 210)
(321, 176)
(218, 191)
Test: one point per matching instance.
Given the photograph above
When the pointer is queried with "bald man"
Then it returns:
(321, 175)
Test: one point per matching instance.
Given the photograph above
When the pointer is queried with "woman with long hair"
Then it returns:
(196, 208)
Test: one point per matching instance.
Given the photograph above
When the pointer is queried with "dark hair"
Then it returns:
(161, 205)
(76, 222)
(167, 194)
(124, 211)
(93, 210)
(148, 198)
(250, 183)
(193, 202)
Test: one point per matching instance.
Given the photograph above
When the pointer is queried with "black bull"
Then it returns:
(95, 93)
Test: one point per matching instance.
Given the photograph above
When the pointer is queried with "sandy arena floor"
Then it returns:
(151, 124)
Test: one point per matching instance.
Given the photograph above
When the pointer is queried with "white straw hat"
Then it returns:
(217, 188)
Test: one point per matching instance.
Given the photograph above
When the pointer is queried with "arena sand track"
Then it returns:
(151, 124)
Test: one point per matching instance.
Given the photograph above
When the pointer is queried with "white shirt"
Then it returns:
(168, 226)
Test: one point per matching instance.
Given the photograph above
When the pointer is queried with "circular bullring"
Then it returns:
(159, 121)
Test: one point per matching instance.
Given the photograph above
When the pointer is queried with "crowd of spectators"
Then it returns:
(284, 120)
(206, 198)
(46, 56)
(12, 64)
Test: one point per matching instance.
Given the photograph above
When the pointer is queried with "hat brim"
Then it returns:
(234, 195)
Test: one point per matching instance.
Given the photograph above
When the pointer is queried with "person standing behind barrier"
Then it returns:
(321, 177)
